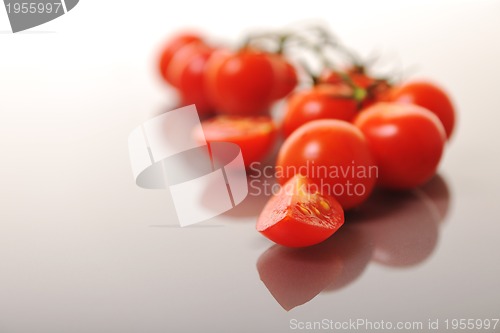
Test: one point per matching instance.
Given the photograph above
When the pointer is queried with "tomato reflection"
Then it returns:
(396, 229)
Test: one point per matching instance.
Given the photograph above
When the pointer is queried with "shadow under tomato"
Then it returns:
(398, 229)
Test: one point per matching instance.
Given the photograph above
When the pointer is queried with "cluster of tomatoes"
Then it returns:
(346, 130)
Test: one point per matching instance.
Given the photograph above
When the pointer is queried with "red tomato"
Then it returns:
(406, 140)
(285, 76)
(254, 135)
(297, 216)
(321, 102)
(171, 47)
(241, 83)
(429, 96)
(334, 155)
(186, 72)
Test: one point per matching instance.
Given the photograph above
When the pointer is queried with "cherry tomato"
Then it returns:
(242, 82)
(186, 72)
(254, 135)
(334, 155)
(171, 47)
(321, 102)
(298, 216)
(285, 77)
(429, 96)
(406, 140)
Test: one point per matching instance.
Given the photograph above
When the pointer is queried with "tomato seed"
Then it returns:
(324, 204)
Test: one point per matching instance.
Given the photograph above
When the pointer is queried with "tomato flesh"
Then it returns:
(299, 217)
(254, 135)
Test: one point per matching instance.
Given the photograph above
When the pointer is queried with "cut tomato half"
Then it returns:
(254, 135)
(298, 215)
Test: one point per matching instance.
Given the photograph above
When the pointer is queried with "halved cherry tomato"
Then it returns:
(429, 96)
(298, 216)
(186, 72)
(242, 82)
(406, 140)
(254, 135)
(334, 155)
(171, 47)
(323, 101)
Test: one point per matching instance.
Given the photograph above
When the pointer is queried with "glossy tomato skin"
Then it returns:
(295, 217)
(334, 155)
(429, 96)
(321, 102)
(242, 82)
(254, 135)
(171, 47)
(187, 73)
(406, 140)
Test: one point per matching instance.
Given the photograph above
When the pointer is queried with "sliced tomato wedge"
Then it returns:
(254, 135)
(299, 216)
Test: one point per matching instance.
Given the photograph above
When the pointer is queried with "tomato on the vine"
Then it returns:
(406, 140)
(243, 82)
(376, 90)
(429, 96)
(187, 72)
(254, 135)
(323, 101)
(299, 215)
(171, 47)
(356, 74)
(334, 155)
